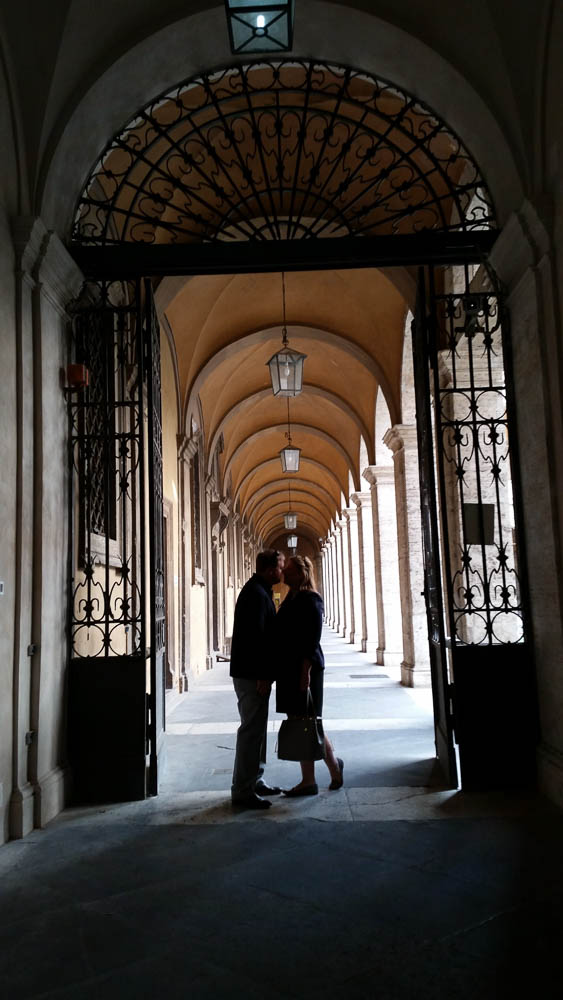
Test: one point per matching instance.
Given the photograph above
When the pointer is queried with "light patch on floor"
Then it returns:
(335, 725)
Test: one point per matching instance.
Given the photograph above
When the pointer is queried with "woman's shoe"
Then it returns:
(337, 783)
(293, 793)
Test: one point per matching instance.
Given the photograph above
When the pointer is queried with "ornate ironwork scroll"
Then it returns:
(474, 461)
(281, 150)
(116, 461)
(106, 448)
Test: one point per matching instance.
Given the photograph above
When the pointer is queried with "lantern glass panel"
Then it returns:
(290, 459)
(292, 541)
(260, 25)
(290, 520)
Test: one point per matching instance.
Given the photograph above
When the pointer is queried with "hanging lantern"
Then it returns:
(260, 25)
(286, 371)
(290, 459)
(289, 456)
(292, 541)
(289, 519)
(286, 366)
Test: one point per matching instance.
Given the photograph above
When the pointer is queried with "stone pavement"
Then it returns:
(390, 888)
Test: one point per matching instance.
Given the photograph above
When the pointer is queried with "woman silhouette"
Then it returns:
(301, 664)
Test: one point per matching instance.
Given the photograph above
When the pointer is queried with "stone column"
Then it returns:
(340, 540)
(326, 594)
(386, 564)
(367, 573)
(401, 439)
(334, 582)
(354, 634)
(342, 528)
(187, 449)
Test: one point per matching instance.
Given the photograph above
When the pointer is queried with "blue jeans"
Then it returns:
(250, 755)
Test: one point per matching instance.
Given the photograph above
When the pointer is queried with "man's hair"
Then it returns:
(268, 559)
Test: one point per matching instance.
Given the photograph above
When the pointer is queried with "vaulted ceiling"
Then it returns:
(350, 327)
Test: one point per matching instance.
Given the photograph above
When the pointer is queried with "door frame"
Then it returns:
(426, 250)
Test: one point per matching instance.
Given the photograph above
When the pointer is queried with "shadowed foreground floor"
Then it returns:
(390, 888)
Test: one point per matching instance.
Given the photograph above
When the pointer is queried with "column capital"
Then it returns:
(350, 513)
(187, 447)
(30, 235)
(401, 437)
(361, 499)
(376, 474)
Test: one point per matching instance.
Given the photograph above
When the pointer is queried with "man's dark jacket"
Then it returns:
(251, 645)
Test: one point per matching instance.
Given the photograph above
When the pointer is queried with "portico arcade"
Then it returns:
(357, 492)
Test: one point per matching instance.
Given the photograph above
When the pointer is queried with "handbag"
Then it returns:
(302, 738)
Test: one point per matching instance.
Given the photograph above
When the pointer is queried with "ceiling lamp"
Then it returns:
(286, 366)
(289, 519)
(289, 456)
(260, 25)
(292, 541)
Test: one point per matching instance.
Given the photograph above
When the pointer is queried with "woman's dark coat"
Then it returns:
(298, 629)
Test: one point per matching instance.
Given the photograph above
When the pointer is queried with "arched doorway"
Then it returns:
(234, 170)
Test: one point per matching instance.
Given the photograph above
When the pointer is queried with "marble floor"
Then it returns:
(392, 887)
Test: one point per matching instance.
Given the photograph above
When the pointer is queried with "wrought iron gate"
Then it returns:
(474, 568)
(116, 680)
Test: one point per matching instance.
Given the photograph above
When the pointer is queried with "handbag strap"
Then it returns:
(311, 704)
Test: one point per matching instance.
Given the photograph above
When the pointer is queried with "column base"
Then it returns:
(550, 773)
(412, 676)
(51, 793)
(21, 812)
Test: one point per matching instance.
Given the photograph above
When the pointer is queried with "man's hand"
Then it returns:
(263, 687)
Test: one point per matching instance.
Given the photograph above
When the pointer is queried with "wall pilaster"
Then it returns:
(48, 280)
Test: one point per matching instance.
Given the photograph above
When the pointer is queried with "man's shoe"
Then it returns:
(261, 788)
(251, 801)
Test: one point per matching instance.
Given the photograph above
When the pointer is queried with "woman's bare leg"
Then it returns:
(307, 772)
(330, 760)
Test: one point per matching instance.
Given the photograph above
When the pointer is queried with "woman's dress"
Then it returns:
(298, 629)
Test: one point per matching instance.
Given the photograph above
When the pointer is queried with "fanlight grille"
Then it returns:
(281, 150)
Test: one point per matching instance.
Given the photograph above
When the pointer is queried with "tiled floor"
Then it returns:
(390, 888)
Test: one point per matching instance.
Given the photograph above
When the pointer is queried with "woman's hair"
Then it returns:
(307, 572)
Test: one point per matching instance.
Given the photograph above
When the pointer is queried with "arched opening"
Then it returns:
(274, 154)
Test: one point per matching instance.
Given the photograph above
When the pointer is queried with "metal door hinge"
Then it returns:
(29, 737)
(32, 649)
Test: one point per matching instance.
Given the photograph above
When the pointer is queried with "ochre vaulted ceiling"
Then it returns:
(350, 326)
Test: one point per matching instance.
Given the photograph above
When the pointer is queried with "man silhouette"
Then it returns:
(252, 673)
